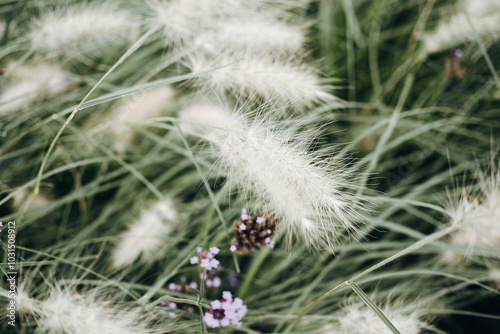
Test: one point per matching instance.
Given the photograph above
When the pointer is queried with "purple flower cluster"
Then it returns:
(184, 287)
(225, 312)
(211, 280)
(207, 260)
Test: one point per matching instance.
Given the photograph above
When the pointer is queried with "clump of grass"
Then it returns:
(109, 110)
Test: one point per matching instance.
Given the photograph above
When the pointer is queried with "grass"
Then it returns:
(416, 137)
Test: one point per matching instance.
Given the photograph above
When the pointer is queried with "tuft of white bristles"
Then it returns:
(359, 319)
(477, 218)
(80, 27)
(133, 110)
(147, 234)
(274, 165)
(66, 311)
(183, 20)
(28, 83)
(255, 35)
(485, 16)
(296, 85)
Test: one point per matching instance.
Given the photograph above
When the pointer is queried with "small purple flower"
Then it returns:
(216, 282)
(269, 232)
(207, 260)
(243, 227)
(225, 312)
(172, 286)
(233, 248)
(244, 214)
(260, 220)
(209, 264)
(193, 285)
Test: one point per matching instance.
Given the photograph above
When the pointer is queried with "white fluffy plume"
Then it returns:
(477, 217)
(255, 34)
(147, 234)
(67, 312)
(28, 83)
(359, 319)
(272, 162)
(451, 32)
(132, 111)
(80, 28)
(183, 20)
(294, 84)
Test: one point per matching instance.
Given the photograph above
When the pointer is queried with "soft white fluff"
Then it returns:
(359, 319)
(182, 20)
(80, 27)
(29, 83)
(67, 312)
(477, 218)
(272, 162)
(255, 34)
(133, 110)
(147, 234)
(451, 32)
(296, 85)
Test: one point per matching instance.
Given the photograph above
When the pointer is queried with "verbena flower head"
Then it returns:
(250, 233)
(212, 281)
(225, 312)
(183, 287)
(455, 30)
(80, 28)
(147, 234)
(275, 167)
(206, 260)
(292, 83)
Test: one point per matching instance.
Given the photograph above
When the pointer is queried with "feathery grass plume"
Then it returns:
(40, 200)
(81, 28)
(478, 217)
(147, 234)
(359, 319)
(182, 20)
(269, 77)
(133, 110)
(29, 83)
(273, 163)
(493, 270)
(67, 312)
(256, 35)
(485, 15)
